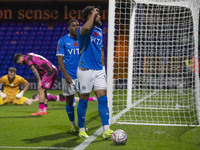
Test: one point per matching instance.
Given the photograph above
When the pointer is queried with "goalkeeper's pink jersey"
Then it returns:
(52, 97)
(41, 64)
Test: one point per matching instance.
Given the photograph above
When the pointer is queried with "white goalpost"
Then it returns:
(150, 47)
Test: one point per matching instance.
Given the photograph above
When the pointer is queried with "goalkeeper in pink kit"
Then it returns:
(45, 72)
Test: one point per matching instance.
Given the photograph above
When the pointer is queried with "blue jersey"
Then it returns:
(90, 46)
(68, 47)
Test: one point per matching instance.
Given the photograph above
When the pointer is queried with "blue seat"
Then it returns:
(32, 37)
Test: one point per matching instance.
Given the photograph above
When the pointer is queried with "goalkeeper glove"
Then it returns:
(19, 95)
(3, 95)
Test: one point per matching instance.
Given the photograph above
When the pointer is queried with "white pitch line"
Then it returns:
(157, 108)
(114, 119)
(89, 140)
(80, 147)
(19, 147)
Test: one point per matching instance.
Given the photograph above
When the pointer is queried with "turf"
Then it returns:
(19, 129)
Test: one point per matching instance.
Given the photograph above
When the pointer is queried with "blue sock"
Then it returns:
(81, 110)
(103, 110)
(70, 112)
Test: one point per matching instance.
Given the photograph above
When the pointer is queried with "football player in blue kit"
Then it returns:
(90, 73)
(68, 56)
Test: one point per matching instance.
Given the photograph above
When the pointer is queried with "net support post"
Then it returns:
(110, 60)
(130, 59)
(195, 7)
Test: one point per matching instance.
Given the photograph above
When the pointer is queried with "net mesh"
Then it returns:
(163, 84)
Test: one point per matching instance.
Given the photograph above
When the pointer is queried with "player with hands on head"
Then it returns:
(45, 72)
(90, 72)
(68, 55)
(11, 93)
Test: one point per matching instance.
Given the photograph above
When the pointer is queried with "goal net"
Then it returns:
(152, 46)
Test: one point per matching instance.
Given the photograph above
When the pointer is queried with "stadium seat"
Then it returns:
(31, 37)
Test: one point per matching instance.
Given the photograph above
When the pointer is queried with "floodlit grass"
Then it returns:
(157, 106)
(19, 129)
(153, 138)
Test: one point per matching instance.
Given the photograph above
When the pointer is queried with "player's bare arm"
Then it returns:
(90, 22)
(26, 86)
(19, 95)
(35, 72)
(62, 67)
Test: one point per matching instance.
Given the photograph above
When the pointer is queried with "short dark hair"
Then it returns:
(86, 12)
(12, 69)
(34, 96)
(70, 21)
(16, 56)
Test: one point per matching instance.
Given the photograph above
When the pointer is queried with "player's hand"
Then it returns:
(19, 95)
(39, 83)
(3, 95)
(68, 78)
(96, 12)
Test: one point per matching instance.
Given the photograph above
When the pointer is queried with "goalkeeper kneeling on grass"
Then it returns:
(11, 92)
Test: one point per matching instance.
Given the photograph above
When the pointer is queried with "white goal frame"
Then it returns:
(194, 6)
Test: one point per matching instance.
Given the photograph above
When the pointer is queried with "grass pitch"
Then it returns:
(19, 130)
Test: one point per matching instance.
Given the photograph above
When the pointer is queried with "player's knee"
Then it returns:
(41, 90)
(69, 102)
(84, 96)
(100, 92)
